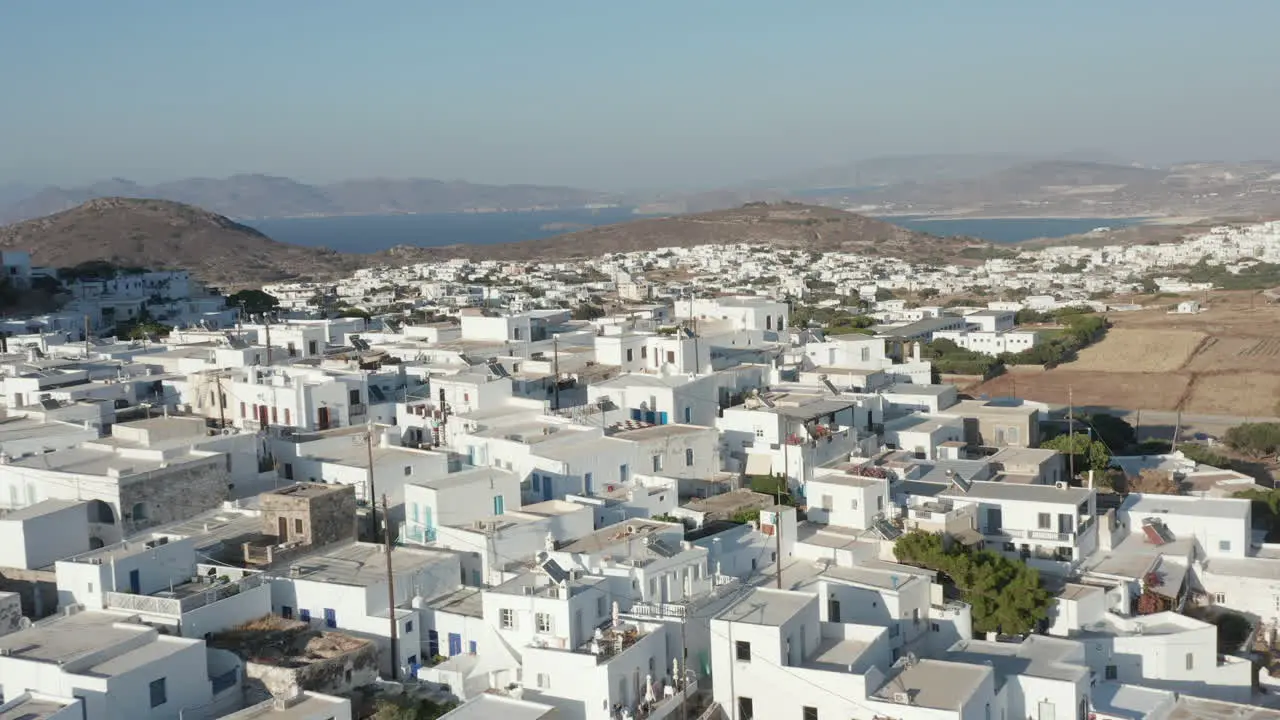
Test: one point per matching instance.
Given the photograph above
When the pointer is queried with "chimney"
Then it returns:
(915, 351)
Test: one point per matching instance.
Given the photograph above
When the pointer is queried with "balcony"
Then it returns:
(358, 410)
(1012, 535)
(184, 598)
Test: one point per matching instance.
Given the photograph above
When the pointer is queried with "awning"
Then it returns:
(968, 537)
(759, 464)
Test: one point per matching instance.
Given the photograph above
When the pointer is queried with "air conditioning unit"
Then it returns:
(1062, 484)
(902, 698)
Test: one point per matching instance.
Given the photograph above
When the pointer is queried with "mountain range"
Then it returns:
(153, 233)
(1082, 184)
(262, 196)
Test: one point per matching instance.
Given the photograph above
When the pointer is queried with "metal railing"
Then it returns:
(1013, 534)
(176, 607)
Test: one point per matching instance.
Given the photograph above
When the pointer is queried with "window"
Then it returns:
(827, 503)
(288, 469)
(671, 356)
(1191, 661)
(544, 680)
(628, 355)
(330, 618)
(1224, 546)
(879, 503)
(746, 709)
(408, 626)
(274, 417)
(644, 352)
(933, 627)
(759, 432)
(742, 650)
(243, 412)
(304, 615)
(287, 419)
(355, 397)
(1110, 672)
(1043, 521)
(543, 621)
(657, 463)
(286, 612)
(297, 526)
(688, 414)
(507, 619)
(471, 647)
(1220, 598)
(809, 713)
(408, 470)
(159, 694)
(853, 504)
(602, 607)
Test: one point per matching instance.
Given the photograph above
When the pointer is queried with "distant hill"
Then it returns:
(263, 196)
(165, 234)
(792, 225)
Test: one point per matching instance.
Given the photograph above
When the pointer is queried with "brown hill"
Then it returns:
(164, 234)
(792, 225)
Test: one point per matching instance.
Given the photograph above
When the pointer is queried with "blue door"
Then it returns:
(662, 418)
(546, 488)
(135, 582)
(499, 504)
(587, 483)
(636, 415)
(330, 618)
(433, 643)
(455, 644)
(413, 666)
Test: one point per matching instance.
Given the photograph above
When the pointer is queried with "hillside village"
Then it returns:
(709, 482)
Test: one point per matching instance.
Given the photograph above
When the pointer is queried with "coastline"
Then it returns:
(1133, 219)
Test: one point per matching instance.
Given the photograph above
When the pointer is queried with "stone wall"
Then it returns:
(37, 590)
(10, 612)
(176, 493)
(327, 516)
(334, 676)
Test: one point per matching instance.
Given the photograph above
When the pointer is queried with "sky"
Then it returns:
(619, 94)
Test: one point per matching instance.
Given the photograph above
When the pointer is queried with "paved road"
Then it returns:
(1161, 423)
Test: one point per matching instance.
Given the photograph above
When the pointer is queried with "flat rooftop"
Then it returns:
(466, 476)
(660, 432)
(40, 509)
(488, 706)
(307, 489)
(913, 389)
(467, 601)
(983, 490)
(1156, 505)
(611, 536)
(28, 707)
(19, 429)
(936, 684)
(100, 461)
(359, 564)
(1022, 456)
(1193, 708)
(312, 705)
(1037, 656)
(764, 606)
(67, 638)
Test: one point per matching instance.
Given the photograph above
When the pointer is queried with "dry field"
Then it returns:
(1135, 390)
(1139, 350)
(1224, 361)
(1234, 393)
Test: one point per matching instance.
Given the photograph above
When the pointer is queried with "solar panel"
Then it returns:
(555, 572)
(48, 404)
(376, 393)
(887, 530)
(962, 483)
(498, 370)
(661, 549)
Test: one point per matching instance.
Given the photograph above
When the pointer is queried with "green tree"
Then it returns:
(1006, 596)
(587, 311)
(883, 294)
(1089, 454)
(1113, 431)
(1257, 440)
(254, 302)
(401, 708)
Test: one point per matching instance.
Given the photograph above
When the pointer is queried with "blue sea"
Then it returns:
(371, 233)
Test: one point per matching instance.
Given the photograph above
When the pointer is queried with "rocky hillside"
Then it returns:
(792, 225)
(164, 234)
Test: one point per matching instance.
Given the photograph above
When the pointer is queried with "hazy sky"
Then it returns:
(619, 93)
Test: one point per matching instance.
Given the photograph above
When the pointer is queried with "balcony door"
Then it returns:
(995, 521)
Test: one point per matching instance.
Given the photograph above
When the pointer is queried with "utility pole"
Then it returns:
(1071, 430)
(1177, 428)
(555, 368)
(267, 324)
(221, 402)
(391, 592)
(86, 336)
(777, 513)
(373, 502)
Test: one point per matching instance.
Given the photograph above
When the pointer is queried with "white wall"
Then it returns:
(42, 539)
